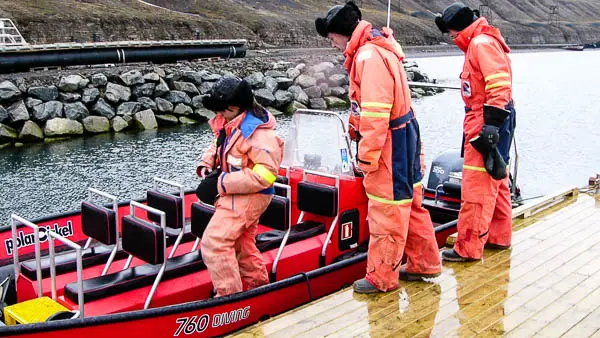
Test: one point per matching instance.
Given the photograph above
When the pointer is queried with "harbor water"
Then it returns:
(558, 124)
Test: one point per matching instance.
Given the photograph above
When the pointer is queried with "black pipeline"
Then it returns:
(22, 61)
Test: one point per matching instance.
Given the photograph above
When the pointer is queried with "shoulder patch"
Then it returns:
(481, 39)
(364, 55)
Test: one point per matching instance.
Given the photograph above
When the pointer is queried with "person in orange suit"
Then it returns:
(388, 151)
(485, 217)
(249, 156)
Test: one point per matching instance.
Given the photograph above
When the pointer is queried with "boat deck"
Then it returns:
(547, 285)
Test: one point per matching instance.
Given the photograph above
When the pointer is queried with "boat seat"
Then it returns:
(67, 262)
(279, 191)
(98, 223)
(319, 199)
(144, 275)
(172, 206)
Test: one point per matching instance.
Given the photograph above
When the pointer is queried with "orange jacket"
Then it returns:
(250, 156)
(378, 89)
(487, 73)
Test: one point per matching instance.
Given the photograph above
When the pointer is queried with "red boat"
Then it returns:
(125, 267)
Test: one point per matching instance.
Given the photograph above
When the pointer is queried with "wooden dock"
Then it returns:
(547, 285)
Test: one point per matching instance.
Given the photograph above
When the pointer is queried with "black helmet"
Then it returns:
(229, 91)
(456, 16)
(339, 19)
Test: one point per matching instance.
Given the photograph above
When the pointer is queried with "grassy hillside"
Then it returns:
(284, 22)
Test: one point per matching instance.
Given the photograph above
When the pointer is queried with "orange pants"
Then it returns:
(486, 211)
(394, 229)
(228, 244)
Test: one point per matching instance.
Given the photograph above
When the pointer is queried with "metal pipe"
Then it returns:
(51, 237)
(288, 190)
(431, 85)
(182, 196)
(36, 239)
(389, 13)
(19, 61)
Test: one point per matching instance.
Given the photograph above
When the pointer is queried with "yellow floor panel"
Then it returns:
(32, 311)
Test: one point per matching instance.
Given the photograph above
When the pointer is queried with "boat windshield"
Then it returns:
(317, 141)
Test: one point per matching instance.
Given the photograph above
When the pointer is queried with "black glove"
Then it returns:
(494, 164)
(207, 189)
(486, 140)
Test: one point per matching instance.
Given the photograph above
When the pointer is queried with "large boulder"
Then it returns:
(197, 101)
(161, 89)
(72, 83)
(45, 94)
(256, 80)
(17, 112)
(334, 102)
(205, 87)
(7, 134)
(48, 110)
(313, 92)
(299, 94)
(69, 97)
(31, 132)
(292, 73)
(337, 80)
(275, 73)
(192, 76)
(182, 109)
(163, 105)
(61, 127)
(318, 103)
(128, 108)
(90, 95)
(270, 84)
(305, 81)
(118, 124)
(96, 124)
(264, 97)
(146, 89)
(9, 91)
(210, 77)
(115, 93)
(186, 87)
(152, 77)
(30, 102)
(103, 108)
(324, 67)
(99, 80)
(166, 119)
(205, 113)
(292, 107)
(274, 111)
(3, 114)
(283, 98)
(187, 120)
(338, 91)
(76, 111)
(176, 97)
(320, 77)
(284, 83)
(145, 120)
(325, 91)
(132, 77)
(147, 103)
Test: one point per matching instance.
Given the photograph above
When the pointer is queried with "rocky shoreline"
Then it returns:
(57, 105)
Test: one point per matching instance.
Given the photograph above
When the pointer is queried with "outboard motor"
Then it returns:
(445, 175)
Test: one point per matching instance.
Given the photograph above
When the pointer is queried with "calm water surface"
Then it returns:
(558, 134)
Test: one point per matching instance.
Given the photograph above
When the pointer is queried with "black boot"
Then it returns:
(407, 276)
(452, 256)
(364, 286)
(492, 246)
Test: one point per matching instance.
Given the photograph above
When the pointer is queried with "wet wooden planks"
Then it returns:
(547, 285)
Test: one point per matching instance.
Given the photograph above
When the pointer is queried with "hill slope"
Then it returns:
(285, 22)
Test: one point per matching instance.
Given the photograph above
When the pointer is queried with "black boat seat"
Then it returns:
(144, 275)
(319, 199)
(67, 262)
(172, 206)
(452, 189)
(279, 191)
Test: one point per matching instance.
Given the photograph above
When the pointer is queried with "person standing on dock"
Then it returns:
(389, 151)
(485, 218)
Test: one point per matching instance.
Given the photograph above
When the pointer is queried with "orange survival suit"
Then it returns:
(249, 157)
(486, 79)
(389, 154)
